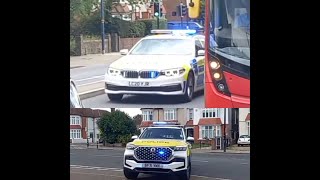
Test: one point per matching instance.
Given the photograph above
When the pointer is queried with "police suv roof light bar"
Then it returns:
(167, 31)
(167, 124)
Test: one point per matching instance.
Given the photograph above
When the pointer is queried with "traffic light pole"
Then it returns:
(158, 23)
(102, 27)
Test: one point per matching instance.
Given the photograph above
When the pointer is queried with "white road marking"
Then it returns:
(108, 156)
(200, 161)
(93, 77)
(244, 163)
(209, 177)
(95, 82)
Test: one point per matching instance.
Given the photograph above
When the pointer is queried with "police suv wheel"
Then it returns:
(185, 175)
(188, 94)
(129, 174)
(115, 97)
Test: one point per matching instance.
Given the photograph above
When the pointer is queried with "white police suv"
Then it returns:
(159, 149)
(170, 62)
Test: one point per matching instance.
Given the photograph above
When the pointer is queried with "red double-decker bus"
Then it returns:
(227, 31)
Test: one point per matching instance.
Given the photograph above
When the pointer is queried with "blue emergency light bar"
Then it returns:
(168, 31)
(166, 124)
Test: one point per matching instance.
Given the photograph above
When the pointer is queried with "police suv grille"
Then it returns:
(149, 74)
(130, 74)
(153, 153)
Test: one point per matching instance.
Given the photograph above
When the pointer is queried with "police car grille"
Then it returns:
(130, 74)
(144, 153)
(149, 74)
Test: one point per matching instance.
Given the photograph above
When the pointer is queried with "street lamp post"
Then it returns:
(102, 27)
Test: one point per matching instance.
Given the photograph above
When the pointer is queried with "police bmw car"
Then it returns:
(168, 63)
(159, 149)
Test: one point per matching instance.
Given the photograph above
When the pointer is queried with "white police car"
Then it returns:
(159, 149)
(168, 63)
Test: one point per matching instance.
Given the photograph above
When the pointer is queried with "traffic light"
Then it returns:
(156, 9)
(203, 9)
(194, 9)
(184, 10)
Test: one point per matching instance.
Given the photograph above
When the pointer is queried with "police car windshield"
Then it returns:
(164, 47)
(162, 133)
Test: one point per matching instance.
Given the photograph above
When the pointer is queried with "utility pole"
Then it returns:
(102, 27)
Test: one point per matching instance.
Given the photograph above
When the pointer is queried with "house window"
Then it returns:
(191, 114)
(75, 134)
(170, 114)
(75, 120)
(248, 126)
(208, 113)
(207, 131)
(218, 131)
(147, 115)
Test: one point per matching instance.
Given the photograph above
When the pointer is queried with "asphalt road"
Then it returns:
(93, 164)
(152, 101)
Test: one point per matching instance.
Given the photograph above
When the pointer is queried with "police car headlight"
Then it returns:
(173, 72)
(131, 146)
(113, 72)
(180, 148)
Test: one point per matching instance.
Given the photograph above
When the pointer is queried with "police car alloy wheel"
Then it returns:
(129, 174)
(115, 97)
(188, 94)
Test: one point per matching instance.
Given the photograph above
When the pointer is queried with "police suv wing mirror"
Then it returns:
(134, 137)
(201, 52)
(124, 51)
(190, 139)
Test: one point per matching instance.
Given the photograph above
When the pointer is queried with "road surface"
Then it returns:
(93, 164)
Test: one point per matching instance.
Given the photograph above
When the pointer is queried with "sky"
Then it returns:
(131, 111)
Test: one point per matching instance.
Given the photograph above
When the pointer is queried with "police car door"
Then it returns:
(199, 68)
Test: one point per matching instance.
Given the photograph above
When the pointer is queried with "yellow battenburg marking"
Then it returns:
(187, 67)
(158, 142)
(201, 62)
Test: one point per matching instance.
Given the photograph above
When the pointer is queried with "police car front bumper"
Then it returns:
(162, 85)
(178, 163)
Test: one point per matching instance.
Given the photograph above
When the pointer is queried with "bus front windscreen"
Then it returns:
(230, 29)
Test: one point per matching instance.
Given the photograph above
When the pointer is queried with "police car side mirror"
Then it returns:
(134, 137)
(190, 139)
(200, 52)
(124, 51)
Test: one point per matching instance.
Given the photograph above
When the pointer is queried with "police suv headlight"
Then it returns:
(130, 146)
(180, 148)
(173, 72)
(113, 72)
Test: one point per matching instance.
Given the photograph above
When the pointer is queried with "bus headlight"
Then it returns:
(214, 65)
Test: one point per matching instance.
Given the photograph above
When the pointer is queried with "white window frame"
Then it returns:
(75, 134)
(209, 113)
(170, 114)
(147, 115)
(75, 120)
(216, 131)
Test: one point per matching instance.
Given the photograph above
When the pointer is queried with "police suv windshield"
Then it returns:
(164, 47)
(162, 133)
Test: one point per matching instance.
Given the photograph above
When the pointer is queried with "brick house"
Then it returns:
(171, 7)
(83, 124)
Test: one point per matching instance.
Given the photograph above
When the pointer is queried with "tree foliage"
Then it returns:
(116, 127)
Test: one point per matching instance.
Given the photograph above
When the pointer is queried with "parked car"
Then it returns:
(244, 140)
(75, 101)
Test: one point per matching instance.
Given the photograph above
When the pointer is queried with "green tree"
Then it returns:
(116, 127)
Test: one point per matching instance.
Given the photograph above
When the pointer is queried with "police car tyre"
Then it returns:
(129, 174)
(188, 94)
(115, 97)
(185, 174)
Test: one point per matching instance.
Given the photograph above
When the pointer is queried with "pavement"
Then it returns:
(88, 74)
(93, 164)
